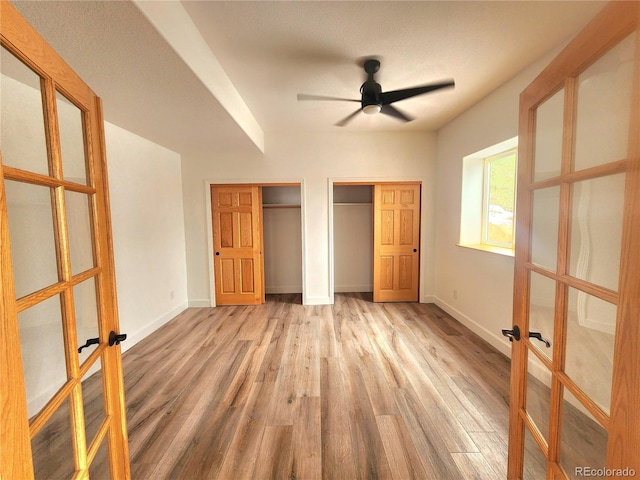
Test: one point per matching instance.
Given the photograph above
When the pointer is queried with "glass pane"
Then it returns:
(501, 199)
(542, 300)
(71, 140)
(544, 229)
(590, 338)
(86, 308)
(539, 394)
(42, 344)
(596, 230)
(548, 138)
(604, 107)
(52, 447)
(535, 463)
(33, 249)
(22, 135)
(99, 468)
(583, 447)
(80, 232)
(93, 400)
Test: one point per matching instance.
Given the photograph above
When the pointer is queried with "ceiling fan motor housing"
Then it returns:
(371, 102)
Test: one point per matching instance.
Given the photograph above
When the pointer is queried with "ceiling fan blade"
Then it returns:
(394, 112)
(347, 119)
(397, 95)
(306, 96)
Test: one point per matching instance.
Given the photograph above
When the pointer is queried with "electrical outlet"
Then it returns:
(455, 294)
(172, 294)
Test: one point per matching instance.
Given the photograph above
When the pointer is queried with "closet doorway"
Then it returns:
(376, 239)
(255, 241)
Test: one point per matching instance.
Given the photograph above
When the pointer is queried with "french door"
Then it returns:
(575, 378)
(396, 242)
(61, 393)
(237, 244)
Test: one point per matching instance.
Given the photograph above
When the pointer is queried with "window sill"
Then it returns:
(507, 252)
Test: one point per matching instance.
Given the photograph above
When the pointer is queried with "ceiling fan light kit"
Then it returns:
(371, 109)
(373, 100)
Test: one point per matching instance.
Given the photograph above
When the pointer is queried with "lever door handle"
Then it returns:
(538, 336)
(512, 334)
(116, 338)
(90, 341)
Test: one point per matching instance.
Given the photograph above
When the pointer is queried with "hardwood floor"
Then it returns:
(285, 391)
(354, 390)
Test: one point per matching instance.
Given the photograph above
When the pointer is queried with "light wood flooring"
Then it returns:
(285, 391)
(354, 390)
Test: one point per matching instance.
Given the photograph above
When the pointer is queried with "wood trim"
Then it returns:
(56, 76)
(596, 38)
(15, 447)
(47, 292)
(624, 431)
(40, 56)
(619, 166)
(615, 22)
(517, 395)
(11, 173)
(112, 378)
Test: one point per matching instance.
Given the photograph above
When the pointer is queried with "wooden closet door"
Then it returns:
(396, 237)
(237, 245)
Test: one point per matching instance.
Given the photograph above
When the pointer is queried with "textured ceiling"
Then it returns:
(273, 50)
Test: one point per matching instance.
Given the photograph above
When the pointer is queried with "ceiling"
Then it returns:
(271, 51)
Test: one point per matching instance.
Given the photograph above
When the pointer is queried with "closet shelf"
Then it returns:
(280, 205)
(352, 203)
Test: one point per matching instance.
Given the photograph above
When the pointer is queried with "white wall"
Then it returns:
(282, 250)
(476, 287)
(148, 232)
(353, 247)
(312, 160)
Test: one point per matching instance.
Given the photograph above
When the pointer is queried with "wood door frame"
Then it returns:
(371, 181)
(298, 182)
(624, 418)
(15, 430)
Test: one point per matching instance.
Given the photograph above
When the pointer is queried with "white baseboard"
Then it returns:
(200, 303)
(491, 337)
(428, 299)
(135, 337)
(316, 300)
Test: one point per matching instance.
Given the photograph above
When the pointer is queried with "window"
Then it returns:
(487, 216)
(498, 204)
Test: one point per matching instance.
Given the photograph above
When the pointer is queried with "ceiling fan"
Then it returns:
(374, 100)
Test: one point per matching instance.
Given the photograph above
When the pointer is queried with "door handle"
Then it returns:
(90, 341)
(512, 334)
(538, 336)
(116, 338)
(217, 253)
(415, 250)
